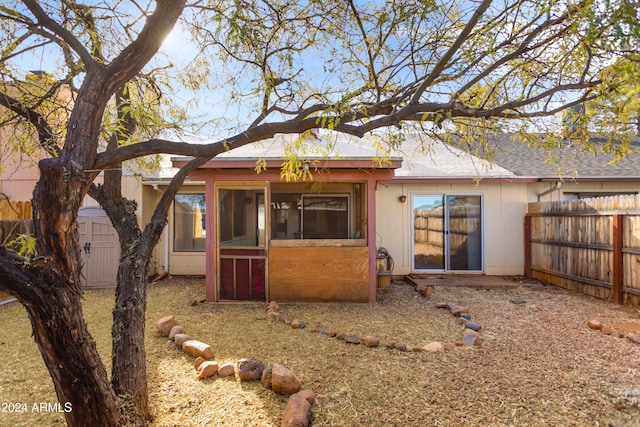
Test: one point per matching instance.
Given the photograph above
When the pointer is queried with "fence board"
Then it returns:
(572, 245)
(11, 211)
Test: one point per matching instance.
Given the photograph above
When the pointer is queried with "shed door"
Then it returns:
(241, 242)
(100, 251)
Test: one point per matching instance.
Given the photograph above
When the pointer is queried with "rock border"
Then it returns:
(470, 336)
(275, 377)
(596, 325)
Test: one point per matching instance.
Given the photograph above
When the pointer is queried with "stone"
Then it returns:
(192, 302)
(281, 317)
(390, 345)
(473, 326)
(198, 349)
(302, 325)
(470, 340)
(308, 394)
(265, 377)
(284, 381)
(633, 337)
(594, 324)
(450, 346)
(226, 370)
(273, 306)
(627, 327)
(179, 339)
(287, 322)
(469, 331)
(441, 305)
(165, 324)
(465, 316)
(297, 413)
(371, 341)
(434, 347)
(324, 331)
(176, 330)
(426, 292)
(607, 330)
(340, 336)
(352, 339)
(207, 369)
(332, 333)
(198, 361)
(401, 347)
(272, 315)
(518, 300)
(250, 369)
(459, 310)
(316, 327)
(295, 323)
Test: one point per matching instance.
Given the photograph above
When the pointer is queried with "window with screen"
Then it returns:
(189, 225)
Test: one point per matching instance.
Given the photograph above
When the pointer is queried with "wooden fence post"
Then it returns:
(618, 272)
(527, 246)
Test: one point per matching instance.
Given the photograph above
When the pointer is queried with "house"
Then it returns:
(432, 206)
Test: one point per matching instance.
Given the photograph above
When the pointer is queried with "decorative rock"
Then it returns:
(607, 330)
(465, 316)
(324, 331)
(441, 305)
(283, 380)
(473, 326)
(207, 369)
(456, 309)
(450, 346)
(297, 413)
(469, 340)
(340, 335)
(192, 302)
(302, 325)
(426, 292)
(518, 300)
(295, 323)
(282, 318)
(352, 339)
(287, 322)
(332, 333)
(250, 369)
(434, 347)
(226, 370)
(401, 347)
(265, 377)
(165, 324)
(371, 341)
(633, 337)
(317, 327)
(308, 394)
(274, 306)
(594, 324)
(390, 345)
(272, 315)
(179, 339)
(198, 361)
(176, 330)
(469, 331)
(198, 349)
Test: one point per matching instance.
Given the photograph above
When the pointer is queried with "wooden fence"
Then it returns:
(591, 246)
(10, 210)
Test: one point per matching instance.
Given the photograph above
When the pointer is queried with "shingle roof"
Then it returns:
(526, 161)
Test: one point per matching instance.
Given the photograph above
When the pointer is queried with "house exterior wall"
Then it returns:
(569, 186)
(504, 207)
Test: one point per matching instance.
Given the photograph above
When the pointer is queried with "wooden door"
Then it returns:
(241, 242)
(100, 251)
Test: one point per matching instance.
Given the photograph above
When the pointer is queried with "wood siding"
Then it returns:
(319, 274)
(591, 246)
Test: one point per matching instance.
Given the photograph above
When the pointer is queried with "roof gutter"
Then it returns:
(551, 190)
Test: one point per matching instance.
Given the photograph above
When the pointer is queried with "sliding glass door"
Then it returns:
(447, 232)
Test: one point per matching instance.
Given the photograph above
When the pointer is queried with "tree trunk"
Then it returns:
(70, 354)
(128, 360)
(49, 288)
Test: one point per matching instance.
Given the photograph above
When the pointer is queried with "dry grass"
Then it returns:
(538, 365)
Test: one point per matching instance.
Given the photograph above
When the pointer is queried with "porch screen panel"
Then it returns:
(189, 225)
(428, 232)
(325, 217)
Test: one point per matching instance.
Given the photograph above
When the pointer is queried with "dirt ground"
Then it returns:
(538, 364)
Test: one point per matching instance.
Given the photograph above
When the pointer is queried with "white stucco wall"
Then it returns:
(504, 207)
